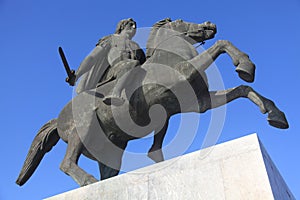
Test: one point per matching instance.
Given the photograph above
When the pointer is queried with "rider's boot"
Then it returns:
(113, 100)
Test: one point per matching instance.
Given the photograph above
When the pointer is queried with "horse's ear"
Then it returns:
(166, 20)
(162, 22)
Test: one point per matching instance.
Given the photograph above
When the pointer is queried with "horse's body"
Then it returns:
(101, 132)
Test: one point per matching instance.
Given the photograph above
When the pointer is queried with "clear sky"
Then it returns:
(33, 90)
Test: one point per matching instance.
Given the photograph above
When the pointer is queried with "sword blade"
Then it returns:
(71, 73)
(65, 62)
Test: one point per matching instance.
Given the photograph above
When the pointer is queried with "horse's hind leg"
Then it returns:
(276, 117)
(244, 66)
(69, 164)
(155, 152)
(110, 159)
(107, 172)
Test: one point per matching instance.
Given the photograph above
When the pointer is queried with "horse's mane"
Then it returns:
(155, 28)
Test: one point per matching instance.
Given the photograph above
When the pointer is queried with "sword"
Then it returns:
(71, 73)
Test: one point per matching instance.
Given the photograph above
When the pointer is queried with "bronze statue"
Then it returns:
(111, 58)
(172, 77)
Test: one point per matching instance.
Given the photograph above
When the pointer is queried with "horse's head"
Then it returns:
(197, 32)
(166, 28)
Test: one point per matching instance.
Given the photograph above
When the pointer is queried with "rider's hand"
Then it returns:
(71, 80)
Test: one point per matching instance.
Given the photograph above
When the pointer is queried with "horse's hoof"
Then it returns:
(246, 71)
(278, 120)
(89, 180)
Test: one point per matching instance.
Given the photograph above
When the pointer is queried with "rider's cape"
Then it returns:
(94, 68)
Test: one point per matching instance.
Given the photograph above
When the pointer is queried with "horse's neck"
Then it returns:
(174, 44)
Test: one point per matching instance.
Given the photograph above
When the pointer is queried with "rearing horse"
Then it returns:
(171, 81)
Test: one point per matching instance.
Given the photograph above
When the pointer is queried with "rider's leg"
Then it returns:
(124, 77)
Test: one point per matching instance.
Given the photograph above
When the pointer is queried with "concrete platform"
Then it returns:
(238, 169)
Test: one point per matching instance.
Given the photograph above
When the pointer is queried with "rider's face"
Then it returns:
(130, 29)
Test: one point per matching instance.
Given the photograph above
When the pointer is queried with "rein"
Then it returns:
(200, 44)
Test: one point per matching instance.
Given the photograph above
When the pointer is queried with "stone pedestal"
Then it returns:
(238, 169)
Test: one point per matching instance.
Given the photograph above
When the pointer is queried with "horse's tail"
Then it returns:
(43, 142)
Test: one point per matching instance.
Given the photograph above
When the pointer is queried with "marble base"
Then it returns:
(238, 169)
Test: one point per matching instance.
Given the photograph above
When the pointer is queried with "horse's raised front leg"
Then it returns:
(244, 66)
(155, 152)
(69, 164)
(275, 118)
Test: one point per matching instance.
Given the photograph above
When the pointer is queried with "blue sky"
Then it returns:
(33, 90)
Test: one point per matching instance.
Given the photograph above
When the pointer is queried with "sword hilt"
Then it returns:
(71, 78)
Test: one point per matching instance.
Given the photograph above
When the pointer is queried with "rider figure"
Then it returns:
(116, 52)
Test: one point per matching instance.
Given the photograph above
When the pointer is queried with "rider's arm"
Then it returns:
(90, 60)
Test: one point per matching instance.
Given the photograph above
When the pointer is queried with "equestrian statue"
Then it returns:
(124, 94)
